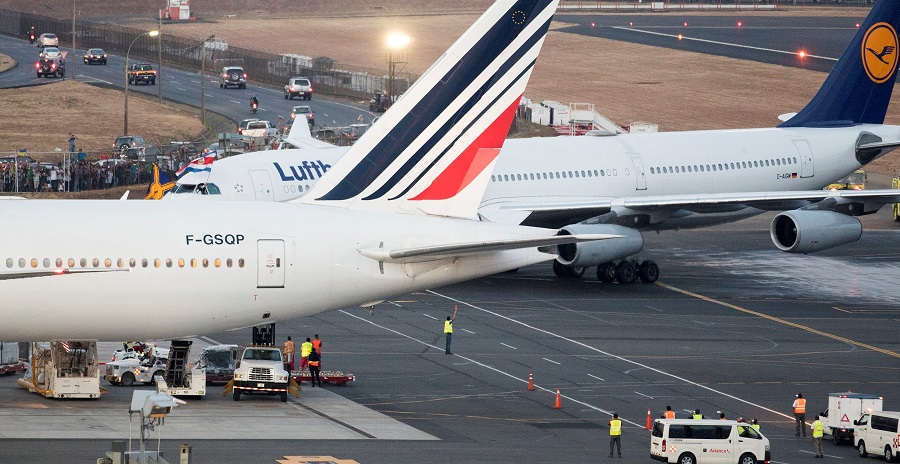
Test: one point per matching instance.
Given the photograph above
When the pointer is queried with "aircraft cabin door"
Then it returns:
(262, 185)
(270, 264)
(639, 173)
(807, 165)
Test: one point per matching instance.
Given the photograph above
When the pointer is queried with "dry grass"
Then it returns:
(94, 114)
(6, 63)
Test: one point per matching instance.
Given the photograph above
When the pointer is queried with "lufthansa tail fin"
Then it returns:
(859, 87)
(433, 151)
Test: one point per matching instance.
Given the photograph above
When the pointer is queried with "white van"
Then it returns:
(878, 432)
(691, 441)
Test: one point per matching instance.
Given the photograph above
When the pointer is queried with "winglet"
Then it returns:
(859, 88)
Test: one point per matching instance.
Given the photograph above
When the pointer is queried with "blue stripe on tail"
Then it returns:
(859, 88)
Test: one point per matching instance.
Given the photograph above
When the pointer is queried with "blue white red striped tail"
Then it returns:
(433, 151)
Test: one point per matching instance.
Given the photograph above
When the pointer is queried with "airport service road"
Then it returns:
(770, 39)
(182, 87)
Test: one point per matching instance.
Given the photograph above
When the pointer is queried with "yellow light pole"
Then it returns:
(396, 54)
(151, 34)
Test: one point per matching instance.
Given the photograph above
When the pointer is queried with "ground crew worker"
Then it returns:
(317, 344)
(669, 414)
(305, 348)
(800, 414)
(315, 362)
(722, 416)
(818, 430)
(289, 354)
(448, 329)
(755, 424)
(615, 435)
(697, 414)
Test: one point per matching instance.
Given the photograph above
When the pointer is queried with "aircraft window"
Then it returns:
(505, 177)
(218, 262)
(531, 176)
(755, 164)
(144, 262)
(34, 262)
(132, 262)
(720, 167)
(778, 161)
(83, 262)
(180, 262)
(205, 262)
(732, 165)
(120, 263)
(602, 172)
(95, 262)
(193, 262)
(651, 170)
(582, 174)
(576, 173)
(168, 262)
(544, 175)
(156, 263)
(614, 172)
(9, 262)
(21, 262)
(570, 174)
(767, 162)
(518, 176)
(589, 173)
(228, 262)
(701, 168)
(677, 170)
(46, 263)
(795, 160)
(107, 262)
(595, 172)
(307, 188)
(240, 262)
(665, 170)
(492, 178)
(564, 174)
(59, 262)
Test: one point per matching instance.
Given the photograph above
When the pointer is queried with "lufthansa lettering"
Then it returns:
(305, 171)
(214, 239)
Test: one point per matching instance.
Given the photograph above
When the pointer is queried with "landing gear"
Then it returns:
(626, 271)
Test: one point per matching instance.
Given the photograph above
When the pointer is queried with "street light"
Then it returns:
(396, 54)
(151, 34)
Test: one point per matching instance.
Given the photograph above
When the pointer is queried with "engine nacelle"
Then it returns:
(811, 231)
(586, 254)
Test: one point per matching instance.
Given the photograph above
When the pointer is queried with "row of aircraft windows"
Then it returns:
(120, 263)
(723, 166)
(554, 175)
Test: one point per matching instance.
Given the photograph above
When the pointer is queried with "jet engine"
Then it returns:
(810, 231)
(587, 254)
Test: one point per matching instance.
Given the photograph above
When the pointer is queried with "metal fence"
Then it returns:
(328, 76)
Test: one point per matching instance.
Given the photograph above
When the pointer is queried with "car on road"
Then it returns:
(47, 40)
(95, 55)
(141, 73)
(130, 145)
(50, 67)
(50, 52)
(304, 110)
(233, 76)
(298, 87)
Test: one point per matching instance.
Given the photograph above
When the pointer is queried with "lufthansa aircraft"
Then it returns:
(627, 183)
(391, 217)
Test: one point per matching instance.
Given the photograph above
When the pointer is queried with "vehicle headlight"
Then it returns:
(281, 378)
(240, 376)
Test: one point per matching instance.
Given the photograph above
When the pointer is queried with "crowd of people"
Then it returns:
(81, 175)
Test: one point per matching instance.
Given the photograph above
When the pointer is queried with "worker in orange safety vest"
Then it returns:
(800, 414)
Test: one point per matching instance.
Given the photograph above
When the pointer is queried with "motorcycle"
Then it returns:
(254, 107)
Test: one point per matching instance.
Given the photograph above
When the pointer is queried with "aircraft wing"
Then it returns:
(31, 273)
(662, 206)
(435, 252)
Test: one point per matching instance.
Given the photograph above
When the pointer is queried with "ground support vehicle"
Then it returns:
(843, 409)
(64, 369)
(878, 432)
(181, 377)
(219, 362)
(142, 369)
(335, 377)
(855, 181)
(261, 370)
(298, 87)
(379, 103)
(692, 441)
(141, 73)
(895, 183)
(10, 363)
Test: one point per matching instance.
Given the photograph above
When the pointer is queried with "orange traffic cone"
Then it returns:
(530, 381)
(558, 404)
(649, 420)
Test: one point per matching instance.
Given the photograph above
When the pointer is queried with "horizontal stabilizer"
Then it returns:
(430, 253)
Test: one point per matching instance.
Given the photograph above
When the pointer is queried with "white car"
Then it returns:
(50, 53)
(47, 40)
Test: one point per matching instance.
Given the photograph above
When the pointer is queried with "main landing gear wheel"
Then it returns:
(649, 272)
(626, 272)
(606, 273)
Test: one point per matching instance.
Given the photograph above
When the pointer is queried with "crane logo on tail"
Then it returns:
(879, 52)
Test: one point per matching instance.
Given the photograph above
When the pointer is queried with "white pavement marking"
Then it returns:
(175, 82)
(235, 101)
(469, 331)
(708, 324)
(491, 368)
(508, 346)
(810, 452)
(598, 378)
(655, 309)
(181, 89)
(554, 362)
(683, 37)
(647, 396)
(429, 316)
(591, 348)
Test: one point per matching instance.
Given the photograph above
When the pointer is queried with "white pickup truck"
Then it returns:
(258, 129)
(261, 370)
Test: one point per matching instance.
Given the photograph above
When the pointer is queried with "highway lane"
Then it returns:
(182, 87)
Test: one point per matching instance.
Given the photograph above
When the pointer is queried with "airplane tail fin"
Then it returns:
(859, 87)
(433, 151)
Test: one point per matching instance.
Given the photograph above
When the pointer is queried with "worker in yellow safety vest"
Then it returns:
(800, 414)
(755, 424)
(448, 329)
(697, 414)
(818, 430)
(615, 435)
(305, 348)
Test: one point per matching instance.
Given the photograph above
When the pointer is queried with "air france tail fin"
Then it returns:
(859, 87)
(433, 151)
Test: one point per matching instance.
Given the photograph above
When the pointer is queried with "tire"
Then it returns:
(649, 272)
(159, 373)
(127, 379)
(236, 394)
(606, 273)
(888, 454)
(243, 86)
(747, 459)
(283, 397)
(861, 449)
(626, 272)
(153, 82)
(836, 436)
(687, 458)
(559, 269)
(285, 96)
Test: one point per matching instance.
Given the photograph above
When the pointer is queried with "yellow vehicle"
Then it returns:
(896, 184)
(855, 181)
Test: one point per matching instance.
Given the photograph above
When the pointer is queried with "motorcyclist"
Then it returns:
(254, 102)
(31, 34)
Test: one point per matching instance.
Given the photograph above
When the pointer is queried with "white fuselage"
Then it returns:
(203, 268)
